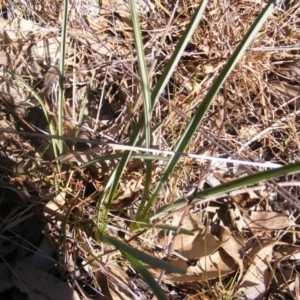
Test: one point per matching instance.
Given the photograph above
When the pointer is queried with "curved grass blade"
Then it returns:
(114, 179)
(167, 73)
(199, 114)
(176, 55)
(112, 184)
(147, 108)
(45, 111)
(61, 100)
(142, 256)
(148, 278)
(174, 228)
(228, 187)
(119, 155)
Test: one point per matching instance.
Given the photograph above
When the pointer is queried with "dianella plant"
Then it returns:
(145, 214)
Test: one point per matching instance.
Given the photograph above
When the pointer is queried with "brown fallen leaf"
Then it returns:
(181, 242)
(233, 245)
(208, 267)
(283, 254)
(104, 285)
(268, 220)
(187, 245)
(194, 247)
(178, 262)
(287, 251)
(256, 279)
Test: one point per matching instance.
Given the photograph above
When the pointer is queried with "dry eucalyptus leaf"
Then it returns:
(233, 245)
(179, 262)
(41, 285)
(191, 222)
(189, 246)
(208, 267)
(255, 281)
(181, 242)
(116, 271)
(268, 220)
(287, 252)
(104, 285)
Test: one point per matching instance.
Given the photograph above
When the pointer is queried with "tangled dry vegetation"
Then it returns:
(244, 242)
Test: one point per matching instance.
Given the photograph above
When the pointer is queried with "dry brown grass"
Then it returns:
(255, 116)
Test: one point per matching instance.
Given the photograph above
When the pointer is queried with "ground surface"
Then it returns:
(245, 242)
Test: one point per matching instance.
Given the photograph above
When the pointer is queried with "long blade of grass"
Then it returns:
(198, 116)
(142, 256)
(176, 55)
(112, 185)
(167, 73)
(61, 99)
(148, 278)
(175, 228)
(118, 156)
(116, 175)
(147, 108)
(142, 71)
(45, 111)
(229, 186)
(171, 65)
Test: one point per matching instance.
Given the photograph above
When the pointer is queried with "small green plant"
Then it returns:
(143, 127)
(140, 146)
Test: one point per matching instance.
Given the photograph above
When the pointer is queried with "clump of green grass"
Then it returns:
(209, 80)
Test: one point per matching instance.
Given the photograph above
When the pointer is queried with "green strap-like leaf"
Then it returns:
(142, 256)
(199, 114)
(148, 278)
(229, 186)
